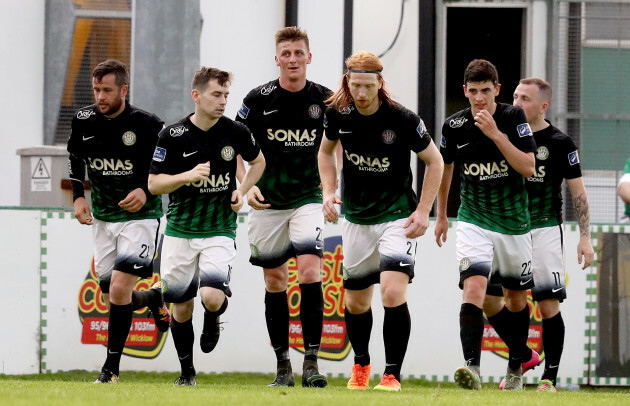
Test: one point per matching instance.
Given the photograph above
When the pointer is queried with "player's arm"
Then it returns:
(441, 223)
(418, 222)
(77, 176)
(522, 162)
(582, 212)
(252, 175)
(327, 163)
(163, 183)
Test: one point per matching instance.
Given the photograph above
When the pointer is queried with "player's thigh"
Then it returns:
(269, 241)
(513, 260)
(548, 263)
(104, 253)
(397, 252)
(306, 230)
(136, 244)
(216, 259)
(474, 250)
(361, 259)
(179, 269)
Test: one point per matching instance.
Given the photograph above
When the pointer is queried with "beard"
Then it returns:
(112, 107)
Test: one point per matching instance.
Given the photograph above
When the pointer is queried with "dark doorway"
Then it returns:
(495, 34)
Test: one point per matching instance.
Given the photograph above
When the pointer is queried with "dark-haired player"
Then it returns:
(195, 163)
(286, 117)
(494, 149)
(383, 216)
(115, 140)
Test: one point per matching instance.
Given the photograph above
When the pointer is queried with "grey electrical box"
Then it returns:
(44, 177)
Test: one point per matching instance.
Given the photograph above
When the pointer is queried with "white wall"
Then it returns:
(22, 84)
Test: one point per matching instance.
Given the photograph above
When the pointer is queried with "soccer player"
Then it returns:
(116, 140)
(494, 148)
(623, 189)
(286, 117)
(556, 159)
(383, 216)
(195, 163)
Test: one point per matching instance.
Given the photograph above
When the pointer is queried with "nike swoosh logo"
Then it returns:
(403, 264)
(525, 282)
(189, 154)
(313, 345)
(554, 290)
(462, 146)
(112, 352)
(344, 132)
(136, 266)
(183, 358)
(317, 247)
(87, 138)
(390, 365)
(553, 366)
(265, 113)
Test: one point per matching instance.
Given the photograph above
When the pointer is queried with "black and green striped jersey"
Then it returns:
(556, 159)
(117, 152)
(376, 160)
(288, 126)
(493, 194)
(202, 209)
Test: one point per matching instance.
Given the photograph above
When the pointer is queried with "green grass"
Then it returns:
(233, 389)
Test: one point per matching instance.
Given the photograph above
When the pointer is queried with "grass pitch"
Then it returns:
(234, 389)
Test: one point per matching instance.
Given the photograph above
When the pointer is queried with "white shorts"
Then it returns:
(190, 263)
(126, 246)
(548, 263)
(370, 249)
(483, 252)
(277, 235)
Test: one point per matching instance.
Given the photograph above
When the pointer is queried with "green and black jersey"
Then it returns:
(288, 126)
(376, 155)
(117, 152)
(493, 194)
(202, 209)
(556, 159)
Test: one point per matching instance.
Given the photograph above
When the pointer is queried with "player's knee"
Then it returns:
(549, 308)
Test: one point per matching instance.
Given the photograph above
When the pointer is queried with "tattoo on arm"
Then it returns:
(582, 213)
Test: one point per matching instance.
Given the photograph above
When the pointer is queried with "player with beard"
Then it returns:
(195, 163)
(493, 146)
(383, 216)
(116, 141)
(286, 117)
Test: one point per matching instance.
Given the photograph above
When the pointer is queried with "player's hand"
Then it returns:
(329, 209)
(236, 200)
(82, 211)
(134, 200)
(441, 229)
(485, 122)
(585, 252)
(416, 224)
(255, 199)
(199, 172)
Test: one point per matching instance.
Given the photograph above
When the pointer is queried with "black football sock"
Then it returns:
(471, 333)
(277, 316)
(396, 331)
(147, 298)
(312, 318)
(553, 342)
(184, 338)
(519, 325)
(118, 330)
(359, 328)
